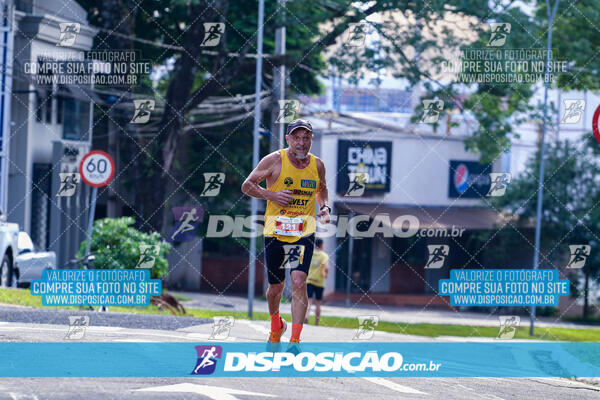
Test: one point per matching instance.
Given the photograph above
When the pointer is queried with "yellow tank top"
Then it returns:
(283, 222)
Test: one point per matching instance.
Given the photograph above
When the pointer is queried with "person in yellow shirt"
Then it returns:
(315, 282)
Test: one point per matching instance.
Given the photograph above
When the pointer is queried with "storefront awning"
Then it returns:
(429, 217)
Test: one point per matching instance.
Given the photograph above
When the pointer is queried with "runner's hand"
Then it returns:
(283, 197)
(324, 216)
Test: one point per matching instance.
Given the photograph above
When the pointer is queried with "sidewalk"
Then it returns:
(385, 313)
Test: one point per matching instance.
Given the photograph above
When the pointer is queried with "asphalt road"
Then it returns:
(25, 324)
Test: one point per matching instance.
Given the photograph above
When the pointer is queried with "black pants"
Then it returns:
(280, 256)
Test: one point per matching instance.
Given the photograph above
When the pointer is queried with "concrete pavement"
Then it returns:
(385, 313)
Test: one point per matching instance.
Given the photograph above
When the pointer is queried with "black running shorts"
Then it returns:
(280, 256)
(316, 290)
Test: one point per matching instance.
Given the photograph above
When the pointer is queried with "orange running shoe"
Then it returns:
(273, 344)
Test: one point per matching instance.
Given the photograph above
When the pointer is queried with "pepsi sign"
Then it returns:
(468, 179)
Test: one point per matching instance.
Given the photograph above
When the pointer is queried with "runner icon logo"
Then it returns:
(221, 328)
(499, 182)
(357, 34)
(431, 111)
(437, 255)
(77, 325)
(68, 183)
(142, 111)
(186, 219)
(292, 256)
(579, 255)
(212, 33)
(573, 111)
(148, 253)
(357, 184)
(68, 33)
(288, 110)
(207, 359)
(212, 183)
(498, 33)
(508, 326)
(366, 327)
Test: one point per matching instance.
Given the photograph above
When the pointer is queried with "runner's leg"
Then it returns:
(308, 310)
(317, 311)
(299, 297)
(299, 293)
(274, 292)
(276, 276)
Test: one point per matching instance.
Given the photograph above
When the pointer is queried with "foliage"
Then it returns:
(570, 206)
(116, 245)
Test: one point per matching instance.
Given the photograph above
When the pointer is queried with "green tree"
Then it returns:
(116, 245)
(198, 72)
(570, 215)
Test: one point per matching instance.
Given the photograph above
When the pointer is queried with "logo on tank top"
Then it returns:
(288, 181)
(308, 183)
(303, 192)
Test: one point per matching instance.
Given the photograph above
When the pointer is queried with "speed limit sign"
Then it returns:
(595, 124)
(97, 168)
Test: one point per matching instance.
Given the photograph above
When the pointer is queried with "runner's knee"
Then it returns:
(299, 280)
(275, 290)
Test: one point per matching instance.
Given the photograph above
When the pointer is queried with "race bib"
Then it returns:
(287, 226)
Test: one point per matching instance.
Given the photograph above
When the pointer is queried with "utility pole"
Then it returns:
(350, 255)
(113, 149)
(538, 219)
(278, 93)
(255, 149)
(279, 78)
(7, 39)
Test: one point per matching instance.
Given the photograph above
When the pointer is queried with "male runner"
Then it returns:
(315, 283)
(295, 179)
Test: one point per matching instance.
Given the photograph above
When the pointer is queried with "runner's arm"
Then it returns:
(325, 269)
(322, 193)
(259, 174)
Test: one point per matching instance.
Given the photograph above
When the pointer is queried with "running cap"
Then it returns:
(299, 123)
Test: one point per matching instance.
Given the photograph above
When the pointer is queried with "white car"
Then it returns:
(8, 251)
(30, 263)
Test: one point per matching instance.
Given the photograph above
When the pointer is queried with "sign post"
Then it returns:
(97, 169)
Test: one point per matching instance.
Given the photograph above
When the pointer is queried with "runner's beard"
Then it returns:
(300, 156)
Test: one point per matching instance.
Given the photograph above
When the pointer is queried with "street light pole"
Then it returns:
(277, 141)
(255, 148)
(538, 219)
(350, 255)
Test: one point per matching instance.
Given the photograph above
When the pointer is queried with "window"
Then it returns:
(43, 109)
(75, 116)
(372, 100)
(48, 107)
(59, 109)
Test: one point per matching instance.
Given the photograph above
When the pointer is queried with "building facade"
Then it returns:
(50, 126)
